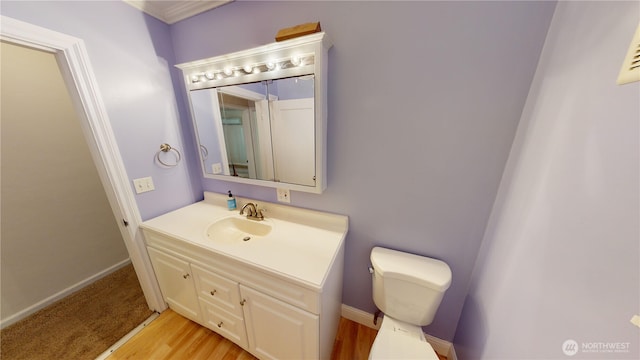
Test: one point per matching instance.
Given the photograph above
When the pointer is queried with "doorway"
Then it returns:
(57, 227)
(73, 62)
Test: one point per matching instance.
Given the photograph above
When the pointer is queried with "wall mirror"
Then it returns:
(260, 114)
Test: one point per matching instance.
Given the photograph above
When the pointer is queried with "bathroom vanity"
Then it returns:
(274, 287)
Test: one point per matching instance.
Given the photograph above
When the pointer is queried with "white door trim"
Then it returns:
(77, 72)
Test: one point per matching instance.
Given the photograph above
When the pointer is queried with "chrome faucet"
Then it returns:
(253, 212)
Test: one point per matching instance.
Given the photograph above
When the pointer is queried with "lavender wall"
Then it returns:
(424, 100)
(132, 58)
(560, 256)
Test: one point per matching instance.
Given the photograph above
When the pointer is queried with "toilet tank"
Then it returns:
(408, 287)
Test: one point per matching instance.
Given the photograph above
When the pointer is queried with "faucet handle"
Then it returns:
(254, 212)
(251, 211)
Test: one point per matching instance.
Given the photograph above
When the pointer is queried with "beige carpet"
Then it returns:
(82, 325)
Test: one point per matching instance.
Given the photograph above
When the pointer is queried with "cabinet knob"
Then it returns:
(220, 324)
(213, 292)
(186, 276)
(242, 302)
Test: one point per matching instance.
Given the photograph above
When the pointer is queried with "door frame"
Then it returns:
(73, 60)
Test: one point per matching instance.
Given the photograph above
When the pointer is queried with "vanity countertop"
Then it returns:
(301, 245)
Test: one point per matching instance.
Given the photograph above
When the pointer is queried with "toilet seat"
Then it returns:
(399, 340)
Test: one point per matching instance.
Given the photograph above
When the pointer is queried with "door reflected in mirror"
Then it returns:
(263, 130)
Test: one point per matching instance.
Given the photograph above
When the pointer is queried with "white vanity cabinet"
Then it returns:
(278, 296)
(269, 317)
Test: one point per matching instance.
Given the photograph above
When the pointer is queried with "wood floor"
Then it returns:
(171, 336)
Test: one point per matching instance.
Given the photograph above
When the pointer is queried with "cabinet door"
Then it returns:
(277, 330)
(176, 283)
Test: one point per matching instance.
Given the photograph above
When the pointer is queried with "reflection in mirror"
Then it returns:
(238, 116)
(293, 130)
(263, 130)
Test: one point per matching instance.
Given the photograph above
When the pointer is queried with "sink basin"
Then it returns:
(238, 229)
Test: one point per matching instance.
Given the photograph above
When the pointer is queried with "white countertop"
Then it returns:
(301, 245)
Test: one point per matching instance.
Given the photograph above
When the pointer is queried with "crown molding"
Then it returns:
(171, 12)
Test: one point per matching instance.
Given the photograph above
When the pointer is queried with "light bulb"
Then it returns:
(295, 60)
(228, 71)
(248, 69)
(195, 78)
(209, 75)
(271, 65)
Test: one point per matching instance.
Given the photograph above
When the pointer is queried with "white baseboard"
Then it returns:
(359, 316)
(61, 294)
(442, 347)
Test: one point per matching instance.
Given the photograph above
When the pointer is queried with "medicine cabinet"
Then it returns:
(260, 115)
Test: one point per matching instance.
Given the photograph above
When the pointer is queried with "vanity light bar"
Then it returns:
(235, 71)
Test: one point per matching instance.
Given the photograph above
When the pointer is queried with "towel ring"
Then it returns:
(204, 151)
(166, 148)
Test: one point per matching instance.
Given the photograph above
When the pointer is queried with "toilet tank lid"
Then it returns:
(421, 270)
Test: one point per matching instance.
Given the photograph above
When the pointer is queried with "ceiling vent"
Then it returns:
(630, 70)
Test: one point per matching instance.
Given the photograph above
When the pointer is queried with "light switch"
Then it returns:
(217, 168)
(143, 184)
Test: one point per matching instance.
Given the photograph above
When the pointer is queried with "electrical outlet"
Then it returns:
(217, 168)
(283, 195)
(143, 185)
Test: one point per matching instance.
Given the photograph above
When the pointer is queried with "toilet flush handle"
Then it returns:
(375, 317)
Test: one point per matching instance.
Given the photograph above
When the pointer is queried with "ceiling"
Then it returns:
(172, 11)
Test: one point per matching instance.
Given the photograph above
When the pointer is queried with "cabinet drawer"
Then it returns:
(217, 290)
(224, 323)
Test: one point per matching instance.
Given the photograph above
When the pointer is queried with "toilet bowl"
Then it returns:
(402, 341)
(408, 289)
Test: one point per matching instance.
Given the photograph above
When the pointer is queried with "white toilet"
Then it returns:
(408, 289)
